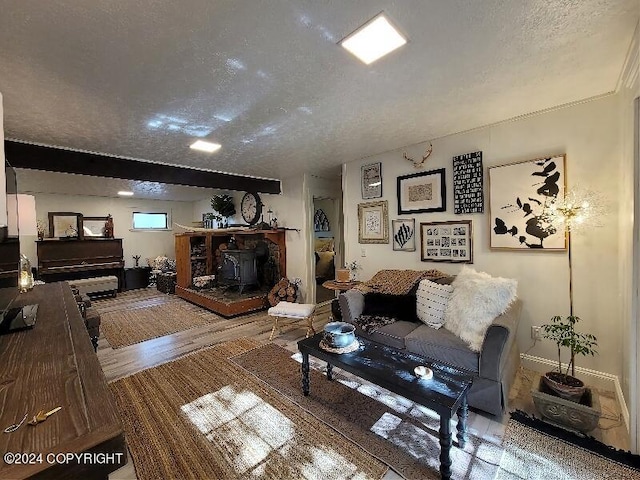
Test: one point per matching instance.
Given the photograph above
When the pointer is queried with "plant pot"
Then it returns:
(565, 386)
(583, 416)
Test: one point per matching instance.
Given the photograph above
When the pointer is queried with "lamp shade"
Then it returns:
(26, 208)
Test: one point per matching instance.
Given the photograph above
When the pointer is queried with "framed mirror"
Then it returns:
(65, 225)
(93, 227)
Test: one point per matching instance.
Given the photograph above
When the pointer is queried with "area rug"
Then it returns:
(126, 327)
(203, 416)
(536, 450)
(398, 432)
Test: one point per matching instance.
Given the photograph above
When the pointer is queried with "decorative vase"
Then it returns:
(565, 386)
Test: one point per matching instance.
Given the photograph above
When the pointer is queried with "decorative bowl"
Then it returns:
(339, 334)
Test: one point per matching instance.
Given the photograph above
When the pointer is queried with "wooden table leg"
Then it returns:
(445, 447)
(305, 374)
(463, 413)
(275, 327)
(329, 371)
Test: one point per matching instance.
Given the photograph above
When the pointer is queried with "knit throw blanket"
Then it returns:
(371, 323)
(397, 282)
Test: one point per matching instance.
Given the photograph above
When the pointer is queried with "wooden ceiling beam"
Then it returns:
(54, 159)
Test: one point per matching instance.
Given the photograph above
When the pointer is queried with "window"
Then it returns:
(150, 221)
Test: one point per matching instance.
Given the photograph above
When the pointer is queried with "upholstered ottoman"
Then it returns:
(297, 311)
(96, 286)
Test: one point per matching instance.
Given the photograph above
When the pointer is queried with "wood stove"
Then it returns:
(238, 268)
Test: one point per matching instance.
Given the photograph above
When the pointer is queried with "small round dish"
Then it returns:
(423, 372)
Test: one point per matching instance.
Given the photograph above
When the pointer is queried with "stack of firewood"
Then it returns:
(283, 291)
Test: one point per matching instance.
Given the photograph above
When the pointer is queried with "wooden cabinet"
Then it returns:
(198, 254)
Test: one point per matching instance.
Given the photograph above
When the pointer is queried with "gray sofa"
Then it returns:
(493, 369)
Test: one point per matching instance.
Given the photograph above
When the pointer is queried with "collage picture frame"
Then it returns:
(450, 242)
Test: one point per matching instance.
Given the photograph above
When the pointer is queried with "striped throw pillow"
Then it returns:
(432, 300)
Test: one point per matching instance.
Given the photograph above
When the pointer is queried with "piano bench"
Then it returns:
(96, 286)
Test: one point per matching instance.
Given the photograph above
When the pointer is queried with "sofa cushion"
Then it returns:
(400, 307)
(431, 302)
(442, 346)
(392, 335)
(477, 299)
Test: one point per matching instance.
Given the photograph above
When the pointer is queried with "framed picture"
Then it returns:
(446, 242)
(371, 177)
(468, 190)
(65, 224)
(93, 227)
(404, 234)
(518, 195)
(422, 192)
(373, 222)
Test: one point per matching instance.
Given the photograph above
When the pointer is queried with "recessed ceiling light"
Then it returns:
(204, 146)
(373, 40)
(125, 193)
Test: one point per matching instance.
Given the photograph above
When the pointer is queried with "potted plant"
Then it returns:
(223, 205)
(562, 332)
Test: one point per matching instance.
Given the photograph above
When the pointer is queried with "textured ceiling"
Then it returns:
(268, 81)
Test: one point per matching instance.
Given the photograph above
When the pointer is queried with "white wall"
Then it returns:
(145, 244)
(289, 208)
(588, 134)
(629, 196)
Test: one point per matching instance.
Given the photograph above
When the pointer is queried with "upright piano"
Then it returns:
(74, 259)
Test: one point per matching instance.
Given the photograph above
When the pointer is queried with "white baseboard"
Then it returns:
(604, 381)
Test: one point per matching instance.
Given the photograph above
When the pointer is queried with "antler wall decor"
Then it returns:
(419, 163)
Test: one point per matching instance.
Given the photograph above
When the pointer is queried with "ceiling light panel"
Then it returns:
(205, 146)
(374, 40)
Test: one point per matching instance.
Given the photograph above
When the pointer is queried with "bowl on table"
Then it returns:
(339, 334)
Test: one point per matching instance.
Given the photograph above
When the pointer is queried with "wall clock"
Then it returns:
(251, 208)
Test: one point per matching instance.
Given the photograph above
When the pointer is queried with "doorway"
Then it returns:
(327, 241)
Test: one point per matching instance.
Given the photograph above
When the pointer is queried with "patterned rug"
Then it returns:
(203, 416)
(400, 433)
(137, 317)
(536, 450)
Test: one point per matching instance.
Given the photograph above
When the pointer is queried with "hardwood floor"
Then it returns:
(121, 362)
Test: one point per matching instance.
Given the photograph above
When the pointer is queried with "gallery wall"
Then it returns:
(144, 243)
(588, 133)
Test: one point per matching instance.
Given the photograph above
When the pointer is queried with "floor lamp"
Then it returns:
(577, 210)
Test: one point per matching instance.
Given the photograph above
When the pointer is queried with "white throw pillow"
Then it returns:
(432, 300)
(477, 299)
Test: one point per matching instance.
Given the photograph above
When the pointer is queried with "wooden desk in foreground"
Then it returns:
(54, 365)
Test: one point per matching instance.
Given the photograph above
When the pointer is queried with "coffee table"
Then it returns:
(390, 368)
